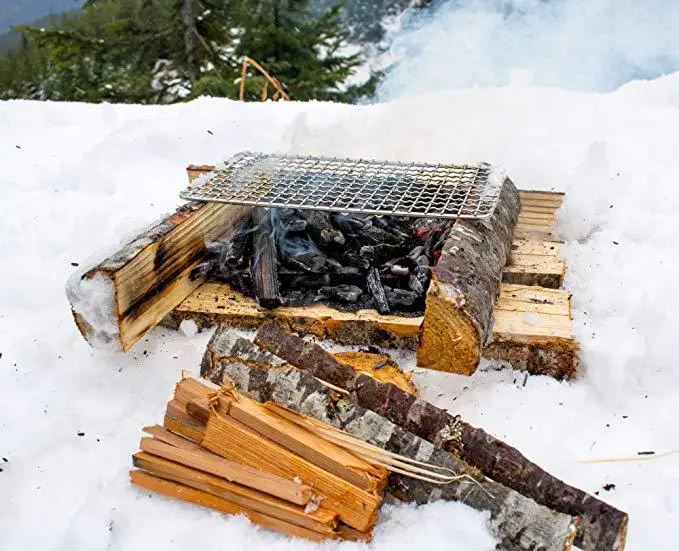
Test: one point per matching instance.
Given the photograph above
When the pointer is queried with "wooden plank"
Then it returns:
(191, 495)
(545, 248)
(535, 269)
(234, 441)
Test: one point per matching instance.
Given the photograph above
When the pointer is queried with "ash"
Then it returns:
(298, 257)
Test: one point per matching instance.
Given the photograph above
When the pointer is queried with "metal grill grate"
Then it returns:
(352, 186)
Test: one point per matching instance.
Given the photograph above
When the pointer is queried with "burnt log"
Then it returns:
(465, 284)
(518, 523)
(264, 264)
(377, 291)
(604, 526)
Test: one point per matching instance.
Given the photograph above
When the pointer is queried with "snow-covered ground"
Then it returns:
(75, 178)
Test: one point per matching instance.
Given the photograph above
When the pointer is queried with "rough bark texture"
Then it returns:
(517, 522)
(189, 13)
(264, 265)
(464, 287)
(604, 526)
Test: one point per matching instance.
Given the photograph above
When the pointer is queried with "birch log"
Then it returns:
(518, 523)
(464, 286)
(605, 527)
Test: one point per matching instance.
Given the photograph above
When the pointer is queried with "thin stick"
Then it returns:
(634, 458)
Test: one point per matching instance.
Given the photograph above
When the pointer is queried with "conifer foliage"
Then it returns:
(163, 51)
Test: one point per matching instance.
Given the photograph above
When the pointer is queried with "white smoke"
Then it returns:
(586, 45)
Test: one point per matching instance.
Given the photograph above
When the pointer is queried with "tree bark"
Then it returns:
(464, 287)
(518, 523)
(604, 527)
(189, 15)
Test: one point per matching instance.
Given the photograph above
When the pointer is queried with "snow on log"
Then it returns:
(517, 522)
(604, 527)
(464, 287)
(116, 302)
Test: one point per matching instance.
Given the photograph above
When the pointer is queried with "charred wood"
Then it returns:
(264, 264)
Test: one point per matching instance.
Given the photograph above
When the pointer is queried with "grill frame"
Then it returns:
(356, 186)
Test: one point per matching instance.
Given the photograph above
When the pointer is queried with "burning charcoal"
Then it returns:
(294, 296)
(416, 253)
(400, 297)
(312, 261)
(351, 259)
(367, 252)
(319, 226)
(350, 226)
(377, 291)
(308, 281)
(387, 224)
(345, 293)
(422, 272)
(399, 270)
(423, 260)
(295, 226)
(414, 284)
(376, 236)
(348, 271)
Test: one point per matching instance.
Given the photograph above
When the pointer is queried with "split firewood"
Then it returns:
(264, 264)
(517, 522)
(324, 454)
(604, 526)
(211, 463)
(320, 520)
(465, 284)
(380, 366)
(183, 492)
(233, 440)
(232, 448)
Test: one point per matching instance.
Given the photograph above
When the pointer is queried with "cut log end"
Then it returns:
(449, 340)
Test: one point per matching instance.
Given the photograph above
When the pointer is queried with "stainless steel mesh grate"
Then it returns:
(351, 186)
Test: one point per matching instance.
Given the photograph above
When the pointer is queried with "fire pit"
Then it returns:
(454, 272)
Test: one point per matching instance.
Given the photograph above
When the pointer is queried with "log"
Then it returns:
(604, 526)
(517, 522)
(226, 346)
(264, 263)
(464, 286)
(116, 302)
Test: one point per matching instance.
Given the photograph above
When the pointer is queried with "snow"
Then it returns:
(77, 177)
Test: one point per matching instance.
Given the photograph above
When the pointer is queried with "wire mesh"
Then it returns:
(356, 186)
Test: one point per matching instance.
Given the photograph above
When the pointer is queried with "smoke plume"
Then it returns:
(584, 45)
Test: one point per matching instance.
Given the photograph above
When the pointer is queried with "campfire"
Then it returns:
(451, 261)
(296, 257)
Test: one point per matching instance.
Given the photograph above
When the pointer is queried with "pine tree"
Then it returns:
(161, 51)
(302, 52)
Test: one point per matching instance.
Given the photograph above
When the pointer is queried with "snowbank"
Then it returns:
(78, 177)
